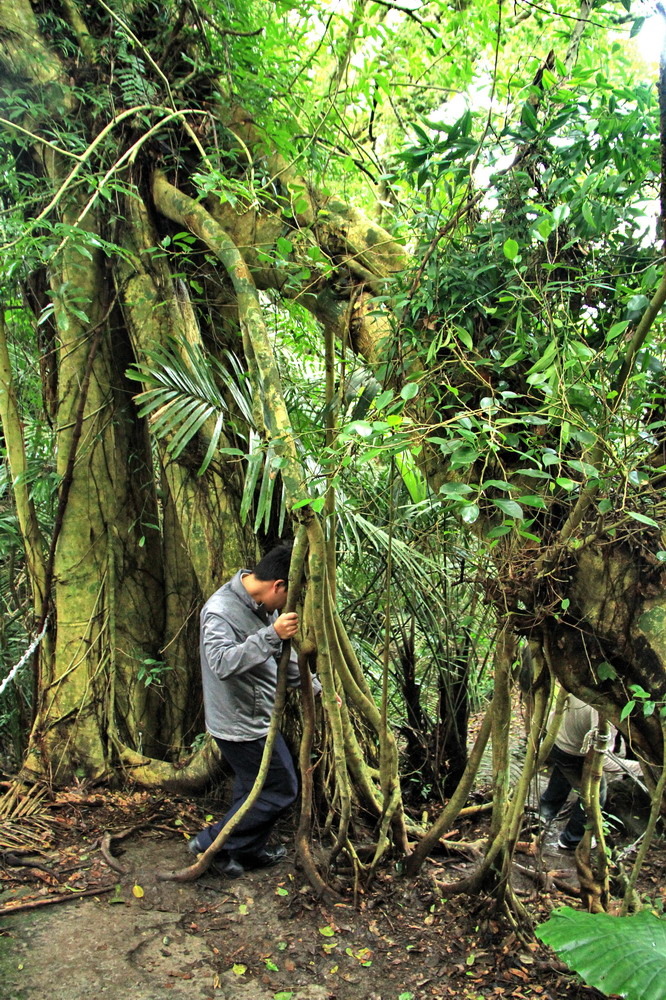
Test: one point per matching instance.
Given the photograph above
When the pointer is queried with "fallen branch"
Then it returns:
(110, 836)
(63, 898)
(105, 849)
(13, 860)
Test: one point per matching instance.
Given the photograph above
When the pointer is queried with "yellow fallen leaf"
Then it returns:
(239, 970)
(138, 891)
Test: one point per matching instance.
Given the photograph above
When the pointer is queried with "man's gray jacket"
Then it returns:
(240, 650)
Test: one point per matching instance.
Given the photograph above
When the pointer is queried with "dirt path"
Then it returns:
(262, 937)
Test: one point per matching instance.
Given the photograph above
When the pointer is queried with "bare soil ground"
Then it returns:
(262, 937)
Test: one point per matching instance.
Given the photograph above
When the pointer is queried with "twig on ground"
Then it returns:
(111, 835)
(63, 898)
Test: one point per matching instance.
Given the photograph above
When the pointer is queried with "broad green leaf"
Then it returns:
(383, 399)
(621, 955)
(456, 490)
(533, 501)
(606, 672)
(470, 513)
(360, 427)
(498, 484)
(509, 507)
(511, 249)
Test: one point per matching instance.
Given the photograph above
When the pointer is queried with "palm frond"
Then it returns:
(181, 397)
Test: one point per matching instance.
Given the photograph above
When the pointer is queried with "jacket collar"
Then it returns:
(236, 586)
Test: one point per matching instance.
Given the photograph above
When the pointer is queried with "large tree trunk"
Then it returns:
(141, 537)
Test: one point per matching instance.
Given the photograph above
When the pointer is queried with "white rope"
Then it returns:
(601, 742)
(26, 656)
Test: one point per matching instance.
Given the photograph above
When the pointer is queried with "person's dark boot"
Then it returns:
(227, 866)
(265, 858)
(223, 864)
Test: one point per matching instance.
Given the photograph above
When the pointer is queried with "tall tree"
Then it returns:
(170, 171)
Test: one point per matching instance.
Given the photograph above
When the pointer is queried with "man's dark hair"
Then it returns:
(274, 565)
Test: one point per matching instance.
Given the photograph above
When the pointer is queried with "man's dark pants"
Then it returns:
(567, 773)
(279, 792)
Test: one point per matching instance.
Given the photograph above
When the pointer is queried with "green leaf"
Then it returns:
(498, 484)
(511, 249)
(470, 513)
(627, 710)
(409, 391)
(606, 672)
(465, 455)
(545, 359)
(284, 247)
(510, 508)
(623, 955)
(327, 931)
(383, 399)
(360, 427)
(283, 995)
(617, 329)
(533, 501)
(465, 338)
(513, 358)
(643, 518)
(255, 462)
(455, 490)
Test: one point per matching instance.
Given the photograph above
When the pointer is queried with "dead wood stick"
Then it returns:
(474, 810)
(105, 850)
(546, 880)
(63, 898)
(13, 860)
(110, 836)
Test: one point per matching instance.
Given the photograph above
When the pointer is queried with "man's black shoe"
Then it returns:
(194, 847)
(227, 866)
(265, 858)
(223, 863)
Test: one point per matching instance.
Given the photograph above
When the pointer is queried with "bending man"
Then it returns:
(242, 631)
(579, 722)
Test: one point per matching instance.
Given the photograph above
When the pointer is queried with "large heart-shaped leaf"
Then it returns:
(623, 955)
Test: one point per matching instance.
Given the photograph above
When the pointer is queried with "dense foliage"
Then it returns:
(388, 274)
